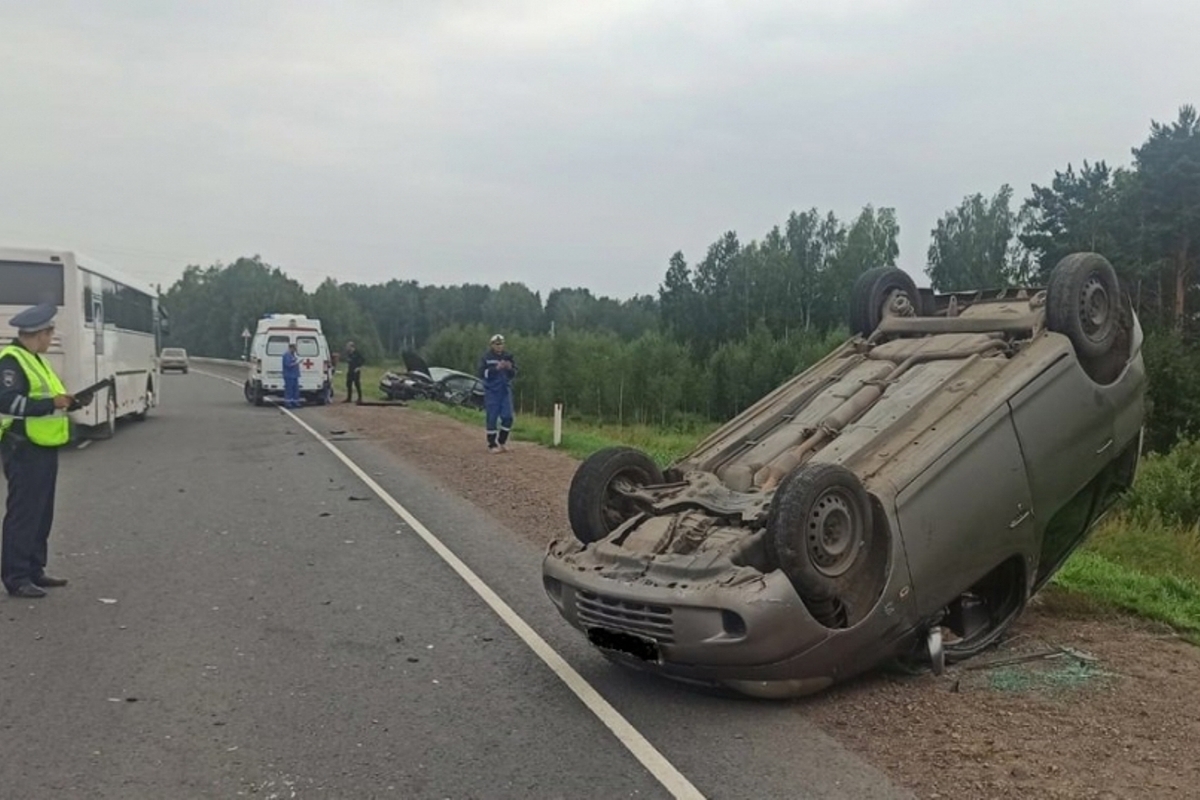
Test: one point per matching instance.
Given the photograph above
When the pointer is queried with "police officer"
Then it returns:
(497, 368)
(33, 425)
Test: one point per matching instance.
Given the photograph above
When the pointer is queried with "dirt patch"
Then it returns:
(1075, 704)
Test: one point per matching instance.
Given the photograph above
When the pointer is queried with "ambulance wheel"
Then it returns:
(258, 393)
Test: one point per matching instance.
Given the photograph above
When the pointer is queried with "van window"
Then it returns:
(307, 346)
(277, 345)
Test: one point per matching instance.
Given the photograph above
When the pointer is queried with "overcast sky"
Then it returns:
(557, 144)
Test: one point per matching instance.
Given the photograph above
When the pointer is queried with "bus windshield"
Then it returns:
(26, 284)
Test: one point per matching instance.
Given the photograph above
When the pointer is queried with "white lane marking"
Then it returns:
(637, 744)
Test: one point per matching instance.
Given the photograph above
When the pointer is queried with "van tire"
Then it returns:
(872, 293)
(1083, 303)
(595, 507)
(818, 530)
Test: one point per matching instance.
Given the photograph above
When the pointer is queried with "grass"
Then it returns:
(1149, 569)
(1137, 564)
(579, 438)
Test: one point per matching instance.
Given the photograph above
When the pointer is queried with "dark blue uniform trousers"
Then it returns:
(32, 473)
(498, 407)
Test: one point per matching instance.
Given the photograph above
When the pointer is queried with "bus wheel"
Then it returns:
(148, 402)
(108, 428)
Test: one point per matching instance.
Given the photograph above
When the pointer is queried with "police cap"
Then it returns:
(35, 319)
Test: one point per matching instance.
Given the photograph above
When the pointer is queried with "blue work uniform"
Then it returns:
(291, 379)
(497, 395)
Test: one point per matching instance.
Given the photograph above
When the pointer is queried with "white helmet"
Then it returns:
(497, 339)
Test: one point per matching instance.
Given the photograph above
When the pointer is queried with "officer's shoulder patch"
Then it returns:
(8, 378)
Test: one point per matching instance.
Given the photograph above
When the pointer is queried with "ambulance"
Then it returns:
(271, 339)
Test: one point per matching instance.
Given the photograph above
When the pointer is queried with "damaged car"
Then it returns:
(899, 501)
(423, 382)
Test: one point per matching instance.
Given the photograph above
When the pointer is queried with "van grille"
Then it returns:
(640, 619)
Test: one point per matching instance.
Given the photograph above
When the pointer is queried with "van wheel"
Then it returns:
(257, 394)
(595, 504)
(819, 531)
(1083, 303)
(873, 293)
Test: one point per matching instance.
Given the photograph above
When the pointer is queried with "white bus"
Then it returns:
(107, 329)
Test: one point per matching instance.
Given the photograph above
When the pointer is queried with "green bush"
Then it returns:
(1168, 486)
(650, 380)
(1173, 371)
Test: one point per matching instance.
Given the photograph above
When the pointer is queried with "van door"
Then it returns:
(272, 361)
(312, 363)
(1065, 426)
(967, 513)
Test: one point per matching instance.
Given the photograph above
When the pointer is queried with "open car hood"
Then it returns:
(414, 363)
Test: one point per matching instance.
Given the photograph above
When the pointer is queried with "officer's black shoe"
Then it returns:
(27, 590)
(46, 581)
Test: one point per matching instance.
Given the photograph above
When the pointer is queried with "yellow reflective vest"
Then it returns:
(53, 430)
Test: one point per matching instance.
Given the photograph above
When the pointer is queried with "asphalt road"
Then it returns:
(246, 617)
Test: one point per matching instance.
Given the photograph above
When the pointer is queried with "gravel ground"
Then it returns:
(1118, 719)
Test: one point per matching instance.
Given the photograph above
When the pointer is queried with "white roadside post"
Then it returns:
(557, 424)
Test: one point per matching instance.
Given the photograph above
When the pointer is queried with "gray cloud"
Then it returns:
(580, 145)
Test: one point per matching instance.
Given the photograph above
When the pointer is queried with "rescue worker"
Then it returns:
(33, 425)
(497, 368)
(354, 365)
(291, 377)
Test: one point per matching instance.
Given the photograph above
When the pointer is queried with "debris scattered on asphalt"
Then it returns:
(108, 600)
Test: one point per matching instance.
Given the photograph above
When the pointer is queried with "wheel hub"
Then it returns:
(899, 305)
(834, 534)
(1095, 308)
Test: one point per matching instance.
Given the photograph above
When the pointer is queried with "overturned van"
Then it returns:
(271, 339)
(899, 500)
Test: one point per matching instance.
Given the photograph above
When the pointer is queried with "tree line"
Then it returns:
(727, 328)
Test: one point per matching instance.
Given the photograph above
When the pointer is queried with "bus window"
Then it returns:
(23, 284)
(277, 345)
(307, 346)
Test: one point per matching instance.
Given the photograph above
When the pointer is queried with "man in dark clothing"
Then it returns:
(33, 425)
(354, 365)
(497, 368)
